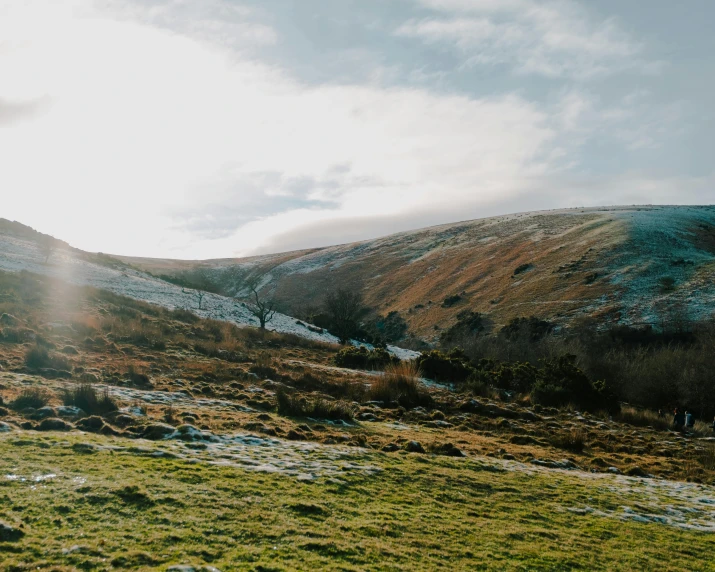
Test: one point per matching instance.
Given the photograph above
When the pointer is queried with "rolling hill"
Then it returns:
(637, 264)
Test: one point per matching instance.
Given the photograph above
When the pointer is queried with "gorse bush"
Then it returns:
(361, 358)
(453, 366)
(86, 397)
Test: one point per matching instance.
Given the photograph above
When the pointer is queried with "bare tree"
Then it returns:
(198, 294)
(261, 308)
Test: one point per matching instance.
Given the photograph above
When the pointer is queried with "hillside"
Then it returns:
(138, 437)
(616, 264)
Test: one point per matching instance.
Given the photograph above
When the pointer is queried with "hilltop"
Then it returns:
(617, 265)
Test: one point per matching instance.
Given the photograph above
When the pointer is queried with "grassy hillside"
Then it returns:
(617, 264)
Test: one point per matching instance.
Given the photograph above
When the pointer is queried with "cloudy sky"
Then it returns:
(216, 128)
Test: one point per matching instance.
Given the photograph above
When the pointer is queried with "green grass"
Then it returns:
(419, 513)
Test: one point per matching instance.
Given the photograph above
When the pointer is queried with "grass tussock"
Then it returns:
(39, 357)
(34, 397)
(644, 418)
(89, 400)
(573, 440)
(293, 405)
(400, 383)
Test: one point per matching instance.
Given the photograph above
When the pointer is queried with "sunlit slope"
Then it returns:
(631, 264)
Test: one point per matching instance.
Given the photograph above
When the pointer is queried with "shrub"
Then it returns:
(516, 376)
(34, 397)
(361, 358)
(450, 301)
(86, 397)
(295, 406)
(531, 328)
(453, 366)
(468, 324)
(400, 383)
(38, 357)
(667, 283)
(561, 382)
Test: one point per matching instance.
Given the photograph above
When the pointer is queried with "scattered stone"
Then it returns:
(636, 472)
(391, 448)
(614, 470)
(367, 417)
(438, 424)
(9, 533)
(70, 350)
(4, 427)
(85, 448)
(414, 447)
(54, 424)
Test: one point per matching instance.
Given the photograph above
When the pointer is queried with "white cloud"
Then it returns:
(557, 38)
(145, 121)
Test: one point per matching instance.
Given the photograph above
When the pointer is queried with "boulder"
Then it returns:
(45, 412)
(449, 450)
(414, 447)
(4, 427)
(391, 448)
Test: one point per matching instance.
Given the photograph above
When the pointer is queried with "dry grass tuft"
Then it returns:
(400, 383)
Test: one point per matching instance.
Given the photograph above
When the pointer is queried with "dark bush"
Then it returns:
(531, 328)
(361, 358)
(86, 397)
(450, 301)
(518, 377)
(453, 366)
(561, 382)
(468, 324)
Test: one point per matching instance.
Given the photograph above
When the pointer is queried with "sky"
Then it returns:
(220, 128)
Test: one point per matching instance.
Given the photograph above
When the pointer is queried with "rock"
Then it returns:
(4, 427)
(88, 377)
(438, 415)
(438, 424)
(414, 447)
(54, 424)
(69, 350)
(9, 533)
(367, 417)
(45, 412)
(69, 411)
(391, 448)
(157, 431)
(187, 432)
(4, 412)
(449, 450)
(123, 420)
(614, 470)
